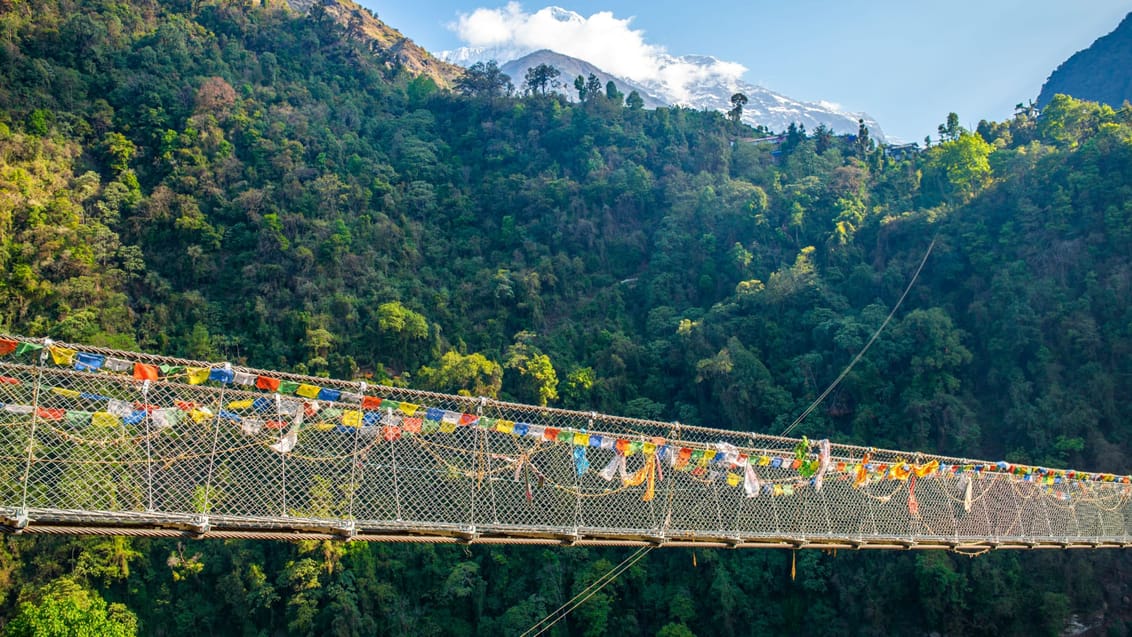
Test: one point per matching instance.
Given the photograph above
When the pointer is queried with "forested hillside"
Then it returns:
(233, 181)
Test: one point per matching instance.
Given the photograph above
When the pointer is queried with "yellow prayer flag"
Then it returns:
(308, 391)
(62, 355)
(409, 408)
(65, 393)
(581, 440)
(733, 479)
(104, 419)
(927, 469)
(200, 415)
(196, 375)
(352, 418)
(447, 427)
(504, 426)
(240, 404)
(764, 461)
(649, 448)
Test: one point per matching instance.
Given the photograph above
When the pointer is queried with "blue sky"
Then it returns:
(906, 63)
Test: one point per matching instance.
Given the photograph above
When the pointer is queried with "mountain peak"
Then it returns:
(703, 82)
(564, 15)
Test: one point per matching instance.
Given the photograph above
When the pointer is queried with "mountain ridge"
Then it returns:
(711, 86)
(1102, 72)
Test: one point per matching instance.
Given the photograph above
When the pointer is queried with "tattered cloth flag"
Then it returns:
(823, 463)
(965, 486)
(251, 426)
(616, 465)
(751, 483)
(645, 474)
(118, 365)
(862, 471)
(287, 442)
(581, 463)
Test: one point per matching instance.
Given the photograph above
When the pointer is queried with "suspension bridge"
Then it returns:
(100, 441)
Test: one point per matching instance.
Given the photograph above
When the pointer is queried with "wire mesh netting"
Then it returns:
(120, 439)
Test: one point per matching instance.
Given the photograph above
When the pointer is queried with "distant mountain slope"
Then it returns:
(701, 82)
(385, 40)
(571, 68)
(1100, 73)
(709, 92)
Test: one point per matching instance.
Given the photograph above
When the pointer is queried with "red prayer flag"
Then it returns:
(413, 425)
(51, 414)
(7, 346)
(145, 372)
(550, 433)
(274, 424)
(8, 380)
(390, 432)
(371, 403)
(267, 384)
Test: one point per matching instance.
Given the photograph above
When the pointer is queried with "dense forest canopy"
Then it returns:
(232, 181)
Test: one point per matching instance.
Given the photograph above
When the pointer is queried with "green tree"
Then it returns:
(960, 168)
(471, 375)
(485, 79)
(541, 79)
(635, 102)
(66, 609)
(738, 101)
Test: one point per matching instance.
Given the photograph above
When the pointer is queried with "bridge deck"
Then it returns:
(96, 441)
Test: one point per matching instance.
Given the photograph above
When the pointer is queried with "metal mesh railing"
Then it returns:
(101, 440)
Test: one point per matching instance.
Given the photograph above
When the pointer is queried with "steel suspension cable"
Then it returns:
(585, 594)
(864, 349)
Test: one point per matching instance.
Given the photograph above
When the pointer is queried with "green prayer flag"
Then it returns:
(169, 370)
(430, 426)
(24, 348)
(287, 387)
(75, 418)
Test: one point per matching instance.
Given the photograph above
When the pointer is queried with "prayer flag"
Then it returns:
(62, 355)
(196, 375)
(88, 362)
(104, 419)
(24, 348)
(118, 365)
(221, 375)
(7, 346)
(307, 391)
(243, 378)
(329, 395)
(267, 384)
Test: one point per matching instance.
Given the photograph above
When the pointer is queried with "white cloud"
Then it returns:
(604, 40)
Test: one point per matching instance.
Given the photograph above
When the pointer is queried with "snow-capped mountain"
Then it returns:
(695, 81)
(571, 68)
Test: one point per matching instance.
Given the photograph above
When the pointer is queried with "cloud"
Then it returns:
(602, 39)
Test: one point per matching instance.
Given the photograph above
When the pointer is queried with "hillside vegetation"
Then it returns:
(233, 181)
